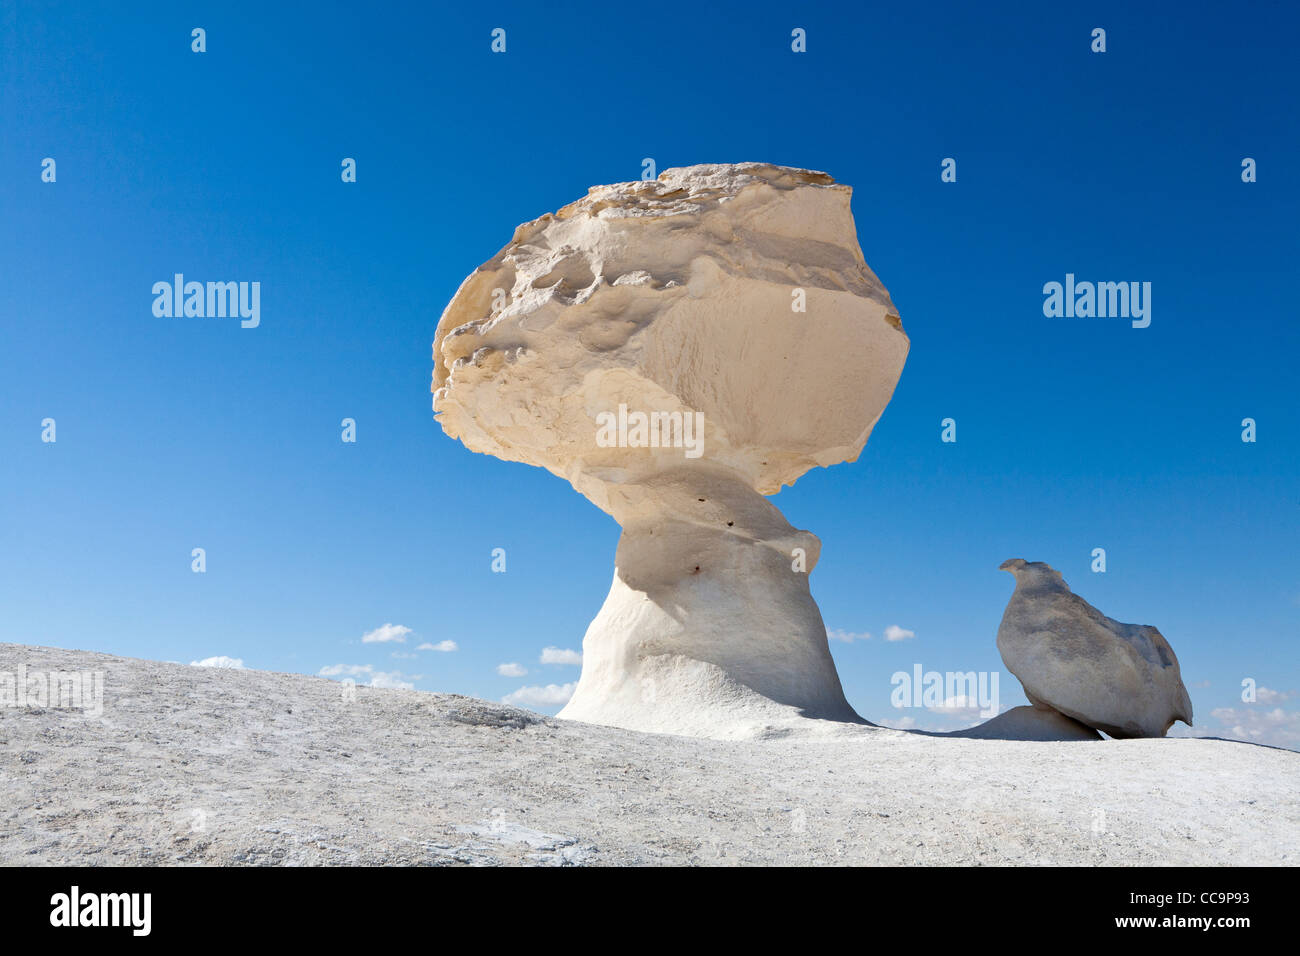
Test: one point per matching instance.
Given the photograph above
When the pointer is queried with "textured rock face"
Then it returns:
(1121, 679)
(676, 300)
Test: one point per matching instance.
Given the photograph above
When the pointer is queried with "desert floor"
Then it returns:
(192, 765)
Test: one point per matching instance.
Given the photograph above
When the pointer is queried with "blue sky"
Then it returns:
(1073, 434)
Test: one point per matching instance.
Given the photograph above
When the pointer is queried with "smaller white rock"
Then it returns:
(1121, 679)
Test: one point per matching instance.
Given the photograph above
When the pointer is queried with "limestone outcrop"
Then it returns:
(1121, 679)
(678, 349)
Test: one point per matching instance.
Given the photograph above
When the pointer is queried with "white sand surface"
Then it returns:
(191, 765)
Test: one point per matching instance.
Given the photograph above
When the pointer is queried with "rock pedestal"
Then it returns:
(729, 309)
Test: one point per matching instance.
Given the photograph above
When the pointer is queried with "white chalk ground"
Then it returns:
(194, 765)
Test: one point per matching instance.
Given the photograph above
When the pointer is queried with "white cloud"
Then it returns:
(444, 646)
(377, 678)
(949, 716)
(556, 655)
(848, 637)
(403, 655)
(902, 723)
(552, 695)
(234, 663)
(1182, 730)
(511, 670)
(957, 713)
(896, 633)
(389, 632)
(1277, 727)
(1265, 695)
(395, 679)
(350, 670)
(962, 708)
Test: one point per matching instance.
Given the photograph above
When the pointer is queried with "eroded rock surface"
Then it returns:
(1121, 679)
(731, 307)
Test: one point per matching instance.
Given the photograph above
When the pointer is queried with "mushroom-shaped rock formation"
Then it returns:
(676, 349)
(1121, 679)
